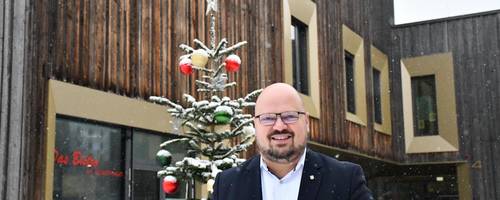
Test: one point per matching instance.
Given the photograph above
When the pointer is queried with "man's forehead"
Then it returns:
(279, 94)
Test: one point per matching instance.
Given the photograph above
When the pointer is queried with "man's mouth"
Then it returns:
(281, 136)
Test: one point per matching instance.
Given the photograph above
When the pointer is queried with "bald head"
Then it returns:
(278, 97)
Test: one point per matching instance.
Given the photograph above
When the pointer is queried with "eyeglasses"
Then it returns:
(289, 117)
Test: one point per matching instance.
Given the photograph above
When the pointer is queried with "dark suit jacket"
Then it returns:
(333, 179)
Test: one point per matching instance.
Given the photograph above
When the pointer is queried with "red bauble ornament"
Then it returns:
(170, 184)
(185, 66)
(233, 63)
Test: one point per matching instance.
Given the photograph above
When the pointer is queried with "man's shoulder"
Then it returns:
(331, 163)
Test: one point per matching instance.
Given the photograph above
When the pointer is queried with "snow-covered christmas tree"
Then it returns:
(216, 128)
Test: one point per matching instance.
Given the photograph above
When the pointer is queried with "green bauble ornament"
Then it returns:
(222, 117)
(223, 114)
(164, 157)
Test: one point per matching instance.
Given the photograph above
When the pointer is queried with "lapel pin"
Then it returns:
(311, 177)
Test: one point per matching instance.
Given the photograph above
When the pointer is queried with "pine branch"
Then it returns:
(202, 45)
(163, 145)
(186, 48)
(203, 83)
(232, 48)
(203, 69)
(235, 131)
(252, 96)
(190, 99)
(221, 45)
(218, 70)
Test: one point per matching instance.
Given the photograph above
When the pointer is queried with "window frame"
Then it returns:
(354, 44)
(305, 11)
(440, 65)
(380, 61)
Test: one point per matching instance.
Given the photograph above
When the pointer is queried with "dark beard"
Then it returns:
(285, 157)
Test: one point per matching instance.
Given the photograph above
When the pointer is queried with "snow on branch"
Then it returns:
(233, 48)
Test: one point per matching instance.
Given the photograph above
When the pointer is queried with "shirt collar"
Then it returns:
(299, 165)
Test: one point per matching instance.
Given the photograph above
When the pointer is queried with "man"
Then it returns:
(285, 169)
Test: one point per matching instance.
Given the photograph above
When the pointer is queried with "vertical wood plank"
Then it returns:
(145, 58)
(112, 50)
(135, 34)
(99, 41)
(69, 45)
(60, 39)
(75, 53)
(15, 145)
(156, 47)
(163, 65)
(85, 43)
(4, 93)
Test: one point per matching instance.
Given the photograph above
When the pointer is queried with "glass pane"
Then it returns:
(145, 146)
(424, 105)
(299, 56)
(349, 76)
(146, 185)
(377, 104)
(89, 161)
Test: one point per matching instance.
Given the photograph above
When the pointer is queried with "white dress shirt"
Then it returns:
(286, 188)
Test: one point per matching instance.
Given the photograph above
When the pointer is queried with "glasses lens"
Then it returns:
(289, 117)
(267, 119)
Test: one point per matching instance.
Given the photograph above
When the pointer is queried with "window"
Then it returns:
(350, 83)
(429, 109)
(381, 111)
(300, 51)
(354, 77)
(299, 54)
(98, 146)
(424, 105)
(377, 101)
(89, 161)
(95, 155)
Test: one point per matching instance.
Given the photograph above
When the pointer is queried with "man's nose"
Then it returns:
(279, 125)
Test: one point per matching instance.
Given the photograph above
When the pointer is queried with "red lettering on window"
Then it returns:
(88, 161)
(77, 159)
(84, 161)
(60, 159)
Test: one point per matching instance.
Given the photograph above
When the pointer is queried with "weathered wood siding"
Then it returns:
(125, 47)
(332, 128)
(475, 44)
(16, 102)
(131, 48)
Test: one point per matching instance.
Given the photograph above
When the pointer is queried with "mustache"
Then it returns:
(280, 132)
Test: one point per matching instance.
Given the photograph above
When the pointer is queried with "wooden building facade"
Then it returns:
(129, 49)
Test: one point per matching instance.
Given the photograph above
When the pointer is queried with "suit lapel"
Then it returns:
(311, 177)
(252, 180)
